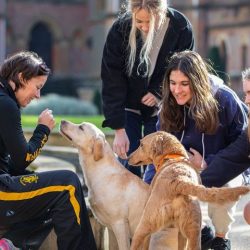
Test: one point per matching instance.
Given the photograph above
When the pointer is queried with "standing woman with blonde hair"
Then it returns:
(134, 61)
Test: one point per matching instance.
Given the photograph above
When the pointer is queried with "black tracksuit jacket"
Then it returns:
(119, 91)
(15, 153)
(26, 196)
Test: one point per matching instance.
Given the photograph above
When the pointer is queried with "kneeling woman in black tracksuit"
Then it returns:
(24, 196)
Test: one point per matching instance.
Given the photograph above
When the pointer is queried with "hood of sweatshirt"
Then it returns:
(216, 83)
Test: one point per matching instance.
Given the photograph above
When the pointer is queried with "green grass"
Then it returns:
(30, 121)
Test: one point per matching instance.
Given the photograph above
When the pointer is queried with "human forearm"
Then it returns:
(227, 164)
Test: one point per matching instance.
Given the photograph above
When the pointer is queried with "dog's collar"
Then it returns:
(168, 157)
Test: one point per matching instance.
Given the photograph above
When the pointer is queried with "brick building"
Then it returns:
(55, 29)
(69, 34)
(222, 30)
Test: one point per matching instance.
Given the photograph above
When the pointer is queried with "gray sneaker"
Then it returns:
(221, 244)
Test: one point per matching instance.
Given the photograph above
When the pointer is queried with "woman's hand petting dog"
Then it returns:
(196, 160)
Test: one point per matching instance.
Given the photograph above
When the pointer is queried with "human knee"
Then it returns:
(73, 177)
(222, 216)
(69, 177)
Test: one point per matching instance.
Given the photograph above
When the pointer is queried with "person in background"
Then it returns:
(25, 196)
(246, 90)
(246, 85)
(135, 57)
(210, 121)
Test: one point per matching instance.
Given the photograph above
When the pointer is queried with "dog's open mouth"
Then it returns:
(65, 135)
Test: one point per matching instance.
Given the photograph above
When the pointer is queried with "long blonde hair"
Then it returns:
(154, 8)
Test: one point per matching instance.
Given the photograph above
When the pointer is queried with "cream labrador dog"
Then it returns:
(117, 197)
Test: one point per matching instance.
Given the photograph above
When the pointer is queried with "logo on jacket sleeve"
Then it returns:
(24, 180)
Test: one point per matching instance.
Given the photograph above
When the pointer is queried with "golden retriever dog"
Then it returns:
(116, 196)
(175, 187)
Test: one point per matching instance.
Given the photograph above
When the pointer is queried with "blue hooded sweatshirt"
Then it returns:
(225, 152)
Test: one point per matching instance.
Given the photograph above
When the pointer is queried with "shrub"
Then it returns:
(61, 105)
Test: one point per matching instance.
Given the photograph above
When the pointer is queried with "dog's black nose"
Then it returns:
(63, 122)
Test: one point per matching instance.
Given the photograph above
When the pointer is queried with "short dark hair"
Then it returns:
(245, 74)
(26, 62)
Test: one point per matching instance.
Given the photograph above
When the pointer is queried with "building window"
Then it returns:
(218, 57)
(41, 42)
(244, 56)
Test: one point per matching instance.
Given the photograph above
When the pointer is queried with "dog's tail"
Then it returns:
(215, 195)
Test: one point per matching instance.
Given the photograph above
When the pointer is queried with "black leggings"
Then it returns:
(27, 197)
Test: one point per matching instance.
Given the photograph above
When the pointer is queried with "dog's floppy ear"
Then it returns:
(98, 148)
(158, 145)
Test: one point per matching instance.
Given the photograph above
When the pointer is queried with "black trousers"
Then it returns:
(27, 197)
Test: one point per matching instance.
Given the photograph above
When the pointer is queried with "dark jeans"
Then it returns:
(136, 127)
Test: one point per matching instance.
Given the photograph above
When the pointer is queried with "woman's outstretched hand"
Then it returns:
(46, 118)
(121, 143)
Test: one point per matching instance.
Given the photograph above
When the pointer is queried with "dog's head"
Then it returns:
(86, 137)
(154, 146)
